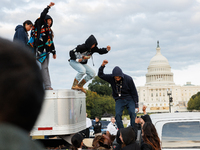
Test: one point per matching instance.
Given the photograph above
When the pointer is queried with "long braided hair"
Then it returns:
(150, 136)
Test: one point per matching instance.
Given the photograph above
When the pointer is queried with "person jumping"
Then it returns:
(78, 61)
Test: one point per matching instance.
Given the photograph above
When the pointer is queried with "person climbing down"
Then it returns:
(78, 61)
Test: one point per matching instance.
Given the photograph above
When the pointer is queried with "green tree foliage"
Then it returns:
(100, 86)
(194, 102)
(97, 105)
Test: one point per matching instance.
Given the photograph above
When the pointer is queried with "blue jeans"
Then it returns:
(119, 107)
(82, 70)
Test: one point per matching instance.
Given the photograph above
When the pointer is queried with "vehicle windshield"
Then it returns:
(181, 135)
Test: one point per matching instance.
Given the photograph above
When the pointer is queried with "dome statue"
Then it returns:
(159, 70)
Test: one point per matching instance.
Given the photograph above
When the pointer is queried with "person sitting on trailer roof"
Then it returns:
(21, 96)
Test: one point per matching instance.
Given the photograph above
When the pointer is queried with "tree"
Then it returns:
(97, 105)
(100, 86)
(194, 102)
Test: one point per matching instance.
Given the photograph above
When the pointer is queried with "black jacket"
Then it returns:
(126, 88)
(20, 35)
(85, 50)
(97, 127)
(145, 146)
(43, 33)
(132, 146)
(129, 136)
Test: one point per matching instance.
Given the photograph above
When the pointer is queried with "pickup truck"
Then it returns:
(178, 131)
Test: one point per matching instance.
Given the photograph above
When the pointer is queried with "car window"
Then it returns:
(181, 135)
(105, 124)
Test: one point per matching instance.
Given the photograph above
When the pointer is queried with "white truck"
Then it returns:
(178, 131)
(63, 113)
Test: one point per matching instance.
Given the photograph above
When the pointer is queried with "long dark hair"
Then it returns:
(28, 22)
(150, 136)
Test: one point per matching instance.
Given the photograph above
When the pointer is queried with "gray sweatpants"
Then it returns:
(45, 73)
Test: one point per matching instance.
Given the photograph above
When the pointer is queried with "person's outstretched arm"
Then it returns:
(106, 77)
(40, 21)
(102, 50)
(145, 117)
(46, 10)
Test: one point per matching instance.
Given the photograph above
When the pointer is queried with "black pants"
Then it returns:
(87, 132)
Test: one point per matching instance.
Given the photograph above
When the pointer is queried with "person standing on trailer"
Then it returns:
(42, 43)
(21, 32)
(124, 92)
(78, 61)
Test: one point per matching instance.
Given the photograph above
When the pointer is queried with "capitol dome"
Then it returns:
(159, 70)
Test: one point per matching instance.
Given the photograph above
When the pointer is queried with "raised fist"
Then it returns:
(108, 48)
(104, 62)
(144, 108)
(51, 4)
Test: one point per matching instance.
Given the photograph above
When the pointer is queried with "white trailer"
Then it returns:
(63, 113)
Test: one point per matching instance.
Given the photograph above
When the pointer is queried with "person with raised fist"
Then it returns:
(123, 91)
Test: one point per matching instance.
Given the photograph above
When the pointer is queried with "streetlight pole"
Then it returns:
(169, 92)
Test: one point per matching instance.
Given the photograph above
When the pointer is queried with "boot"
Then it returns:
(75, 85)
(80, 85)
(49, 88)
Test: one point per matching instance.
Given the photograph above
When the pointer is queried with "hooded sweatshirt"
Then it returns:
(124, 89)
(43, 33)
(85, 50)
(20, 35)
(129, 137)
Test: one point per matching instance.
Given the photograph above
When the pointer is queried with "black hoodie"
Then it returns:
(129, 137)
(85, 50)
(128, 89)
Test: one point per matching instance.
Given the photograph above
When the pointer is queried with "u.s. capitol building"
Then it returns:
(159, 84)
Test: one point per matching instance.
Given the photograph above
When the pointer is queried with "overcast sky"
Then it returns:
(130, 27)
